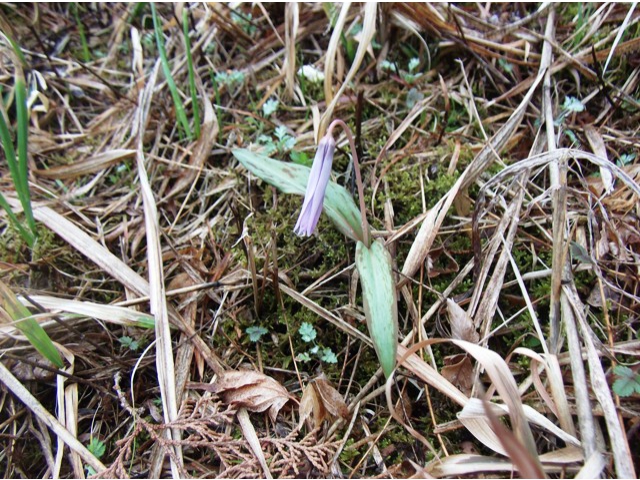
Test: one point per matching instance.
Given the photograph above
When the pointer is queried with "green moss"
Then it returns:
(348, 454)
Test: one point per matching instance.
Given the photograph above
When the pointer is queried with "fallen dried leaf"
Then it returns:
(311, 403)
(252, 390)
(597, 145)
(462, 327)
(331, 398)
(320, 398)
(458, 370)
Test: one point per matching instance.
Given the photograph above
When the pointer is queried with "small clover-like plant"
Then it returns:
(230, 79)
(244, 21)
(256, 333)
(570, 105)
(389, 66)
(270, 107)
(129, 343)
(308, 334)
(282, 143)
(300, 158)
(285, 141)
(573, 104)
(97, 448)
(627, 381)
(328, 356)
(414, 96)
(412, 75)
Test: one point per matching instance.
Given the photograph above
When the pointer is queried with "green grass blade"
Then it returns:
(86, 54)
(136, 11)
(192, 77)
(23, 162)
(10, 155)
(16, 48)
(177, 101)
(24, 233)
(28, 326)
(7, 145)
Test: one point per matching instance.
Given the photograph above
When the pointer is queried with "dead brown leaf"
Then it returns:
(311, 403)
(254, 391)
(462, 326)
(458, 370)
(331, 398)
(321, 398)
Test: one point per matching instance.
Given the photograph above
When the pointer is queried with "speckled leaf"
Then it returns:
(380, 301)
(292, 178)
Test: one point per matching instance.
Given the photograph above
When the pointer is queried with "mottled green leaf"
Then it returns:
(380, 301)
(28, 326)
(292, 178)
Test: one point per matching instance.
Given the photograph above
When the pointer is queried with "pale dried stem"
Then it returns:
(14, 385)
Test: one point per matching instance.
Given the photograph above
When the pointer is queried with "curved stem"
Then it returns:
(356, 163)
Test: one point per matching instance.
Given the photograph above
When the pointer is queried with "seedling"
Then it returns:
(283, 141)
(410, 75)
(571, 105)
(256, 333)
(166, 68)
(230, 79)
(627, 381)
(98, 448)
(130, 343)
(626, 159)
(270, 107)
(309, 334)
(243, 20)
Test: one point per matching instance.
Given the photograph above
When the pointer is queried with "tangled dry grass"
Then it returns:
(500, 146)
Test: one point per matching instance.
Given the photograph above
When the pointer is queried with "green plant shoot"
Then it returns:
(192, 76)
(177, 101)
(28, 326)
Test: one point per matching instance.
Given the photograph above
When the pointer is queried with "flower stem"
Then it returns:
(354, 153)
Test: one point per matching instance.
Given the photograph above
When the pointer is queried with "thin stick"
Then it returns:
(354, 153)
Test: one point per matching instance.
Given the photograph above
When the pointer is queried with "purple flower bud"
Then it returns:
(318, 181)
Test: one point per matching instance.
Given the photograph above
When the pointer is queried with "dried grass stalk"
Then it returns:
(14, 385)
(158, 301)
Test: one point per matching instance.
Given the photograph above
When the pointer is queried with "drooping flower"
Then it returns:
(318, 181)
